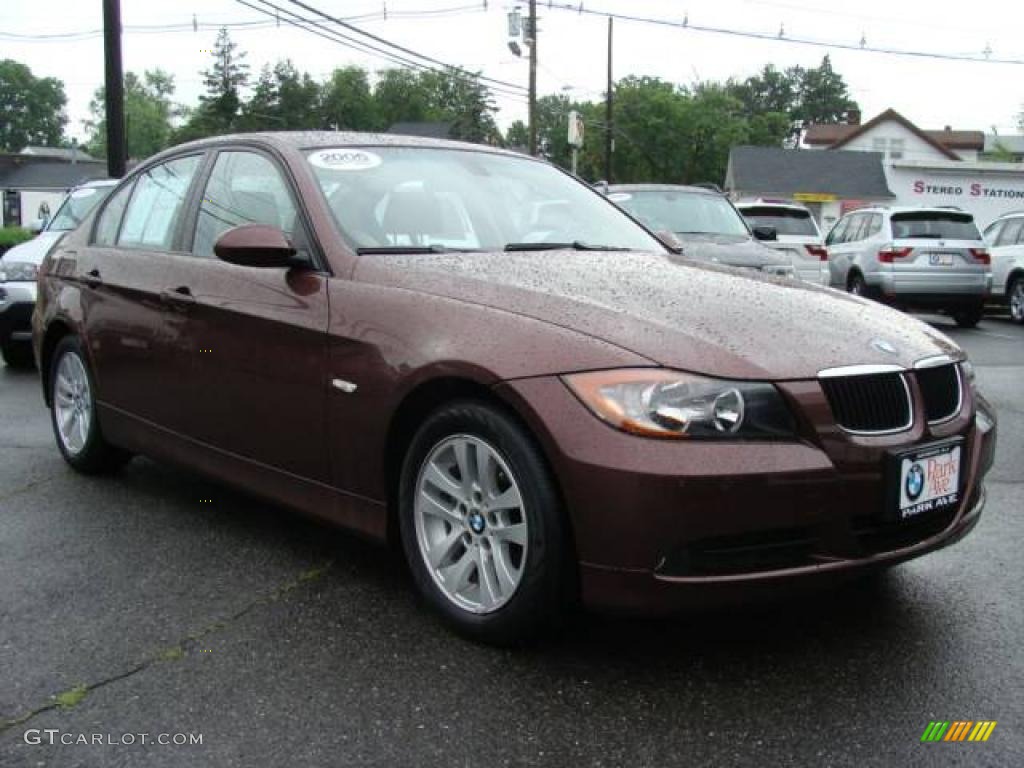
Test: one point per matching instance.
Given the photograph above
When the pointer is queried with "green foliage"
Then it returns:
(71, 697)
(283, 99)
(219, 108)
(11, 236)
(32, 108)
(347, 102)
(148, 111)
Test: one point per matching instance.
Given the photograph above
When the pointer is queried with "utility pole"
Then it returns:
(609, 124)
(114, 89)
(533, 76)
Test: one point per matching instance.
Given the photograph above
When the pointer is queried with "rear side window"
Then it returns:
(937, 225)
(157, 204)
(874, 225)
(857, 229)
(1012, 233)
(110, 218)
(787, 221)
(244, 188)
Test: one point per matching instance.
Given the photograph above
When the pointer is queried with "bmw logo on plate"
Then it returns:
(915, 482)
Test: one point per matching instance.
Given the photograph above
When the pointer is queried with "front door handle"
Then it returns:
(180, 295)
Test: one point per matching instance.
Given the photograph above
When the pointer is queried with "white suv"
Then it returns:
(797, 236)
(1005, 237)
(926, 258)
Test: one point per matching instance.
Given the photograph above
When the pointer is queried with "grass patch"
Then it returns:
(72, 697)
(174, 653)
(11, 236)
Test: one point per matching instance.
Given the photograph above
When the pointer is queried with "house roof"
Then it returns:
(835, 135)
(49, 174)
(786, 172)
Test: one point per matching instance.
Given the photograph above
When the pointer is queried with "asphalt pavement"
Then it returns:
(154, 602)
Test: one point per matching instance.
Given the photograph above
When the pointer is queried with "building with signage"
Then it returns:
(828, 183)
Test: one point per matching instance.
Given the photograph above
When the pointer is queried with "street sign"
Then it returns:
(575, 129)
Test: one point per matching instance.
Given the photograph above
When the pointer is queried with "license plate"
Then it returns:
(940, 259)
(929, 480)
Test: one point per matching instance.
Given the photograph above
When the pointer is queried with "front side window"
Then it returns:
(110, 217)
(838, 233)
(76, 206)
(394, 198)
(157, 204)
(244, 188)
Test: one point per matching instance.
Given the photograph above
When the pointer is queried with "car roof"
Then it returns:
(98, 183)
(891, 209)
(662, 188)
(299, 140)
(787, 206)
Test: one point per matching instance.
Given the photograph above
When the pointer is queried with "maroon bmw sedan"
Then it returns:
(471, 354)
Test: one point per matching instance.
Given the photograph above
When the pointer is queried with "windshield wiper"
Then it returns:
(386, 249)
(575, 245)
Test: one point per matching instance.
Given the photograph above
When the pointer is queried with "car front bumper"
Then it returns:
(17, 301)
(661, 525)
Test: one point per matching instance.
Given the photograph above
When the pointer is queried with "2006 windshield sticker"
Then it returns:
(345, 159)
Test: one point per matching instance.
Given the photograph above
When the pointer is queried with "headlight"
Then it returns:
(17, 272)
(659, 403)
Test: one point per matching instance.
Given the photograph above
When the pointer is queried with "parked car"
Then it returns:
(391, 334)
(704, 222)
(1005, 238)
(18, 272)
(916, 258)
(797, 236)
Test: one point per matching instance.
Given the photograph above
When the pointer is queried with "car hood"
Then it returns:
(733, 251)
(677, 313)
(33, 251)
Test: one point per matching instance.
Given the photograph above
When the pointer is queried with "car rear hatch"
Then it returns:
(936, 252)
(798, 239)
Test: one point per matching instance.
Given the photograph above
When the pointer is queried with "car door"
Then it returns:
(134, 319)
(840, 249)
(1007, 252)
(259, 375)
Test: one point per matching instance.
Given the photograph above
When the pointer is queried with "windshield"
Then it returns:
(683, 212)
(934, 224)
(76, 206)
(787, 221)
(411, 198)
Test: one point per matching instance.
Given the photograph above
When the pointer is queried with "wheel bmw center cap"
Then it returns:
(476, 522)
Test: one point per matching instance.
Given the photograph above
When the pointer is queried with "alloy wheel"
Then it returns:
(1017, 301)
(72, 402)
(471, 524)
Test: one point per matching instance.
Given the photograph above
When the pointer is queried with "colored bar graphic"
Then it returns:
(958, 730)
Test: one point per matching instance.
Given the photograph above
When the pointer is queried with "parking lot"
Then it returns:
(153, 602)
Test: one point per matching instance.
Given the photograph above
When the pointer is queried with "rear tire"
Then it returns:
(76, 425)
(1015, 292)
(856, 285)
(18, 354)
(968, 317)
(482, 526)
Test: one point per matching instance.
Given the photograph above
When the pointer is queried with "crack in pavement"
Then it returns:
(174, 652)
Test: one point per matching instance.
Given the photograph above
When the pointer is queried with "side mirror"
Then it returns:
(255, 245)
(766, 232)
(669, 240)
(36, 226)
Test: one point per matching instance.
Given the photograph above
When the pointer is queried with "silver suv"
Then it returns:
(921, 258)
(797, 236)
(1005, 237)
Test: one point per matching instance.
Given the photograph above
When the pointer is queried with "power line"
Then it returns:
(396, 46)
(779, 37)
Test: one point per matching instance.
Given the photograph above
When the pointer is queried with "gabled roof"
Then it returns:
(834, 136)
(785, 172)
(49, 174)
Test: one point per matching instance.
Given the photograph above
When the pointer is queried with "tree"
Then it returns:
(219, 107)
(518, 135)
(148, 109)
(283, 99)
(346, 102)
(437, 96)
(822, 94)
(32, 108)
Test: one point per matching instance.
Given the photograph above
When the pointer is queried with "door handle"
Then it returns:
(180, 295)
(92, 278)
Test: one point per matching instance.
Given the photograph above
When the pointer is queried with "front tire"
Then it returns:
(482, 526)
(968, 317)
(1016, 294)
(73, 412)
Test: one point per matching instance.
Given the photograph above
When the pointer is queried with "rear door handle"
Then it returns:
(92, 278)
(180, 295)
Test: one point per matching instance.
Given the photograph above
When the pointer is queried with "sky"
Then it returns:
(572, 47)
